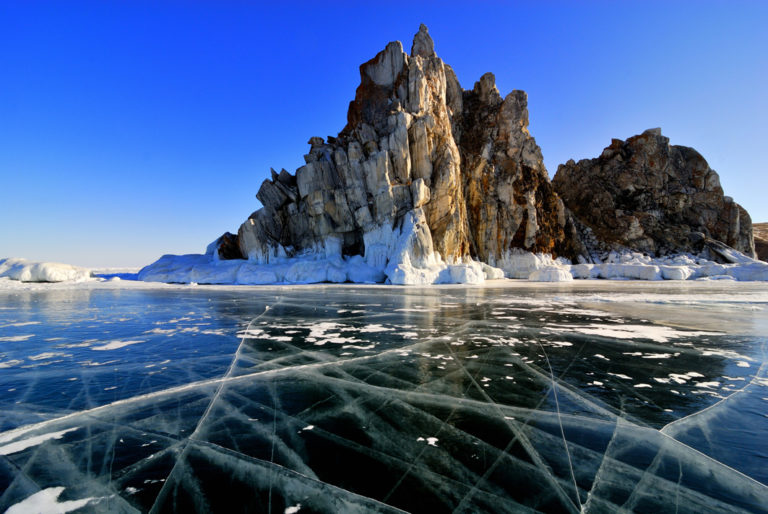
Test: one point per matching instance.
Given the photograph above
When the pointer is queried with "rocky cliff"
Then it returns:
(423, 172)
(647, 195)
(431, 183)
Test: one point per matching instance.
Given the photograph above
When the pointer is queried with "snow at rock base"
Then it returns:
(398, 263)
(399, 256)
(404, 256)
(406, 269)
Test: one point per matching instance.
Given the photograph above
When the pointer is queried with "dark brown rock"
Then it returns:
(510, 201)
(228, 247)
(646, 195)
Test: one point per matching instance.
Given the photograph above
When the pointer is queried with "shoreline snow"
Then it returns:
(431, 270)
(317, 268)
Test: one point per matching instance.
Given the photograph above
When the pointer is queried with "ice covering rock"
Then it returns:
(27, 271)
(648, 196)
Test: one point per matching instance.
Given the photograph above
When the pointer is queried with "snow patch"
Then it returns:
(47, 500)
(636, 266)
(23, 270)
(114, 345)
(402, 254)
(18, 446)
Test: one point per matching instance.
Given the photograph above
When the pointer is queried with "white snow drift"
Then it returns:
(26, 271)
(398, 255)
(403, 258)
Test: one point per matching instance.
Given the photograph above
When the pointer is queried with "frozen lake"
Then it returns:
(585, 396)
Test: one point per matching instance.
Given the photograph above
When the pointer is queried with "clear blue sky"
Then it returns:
(129, 129)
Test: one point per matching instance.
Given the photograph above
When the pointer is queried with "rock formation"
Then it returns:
(761, 240)
(646, 195)
(457, 167)
(431, 183)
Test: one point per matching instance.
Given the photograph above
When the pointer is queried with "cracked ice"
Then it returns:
(350, 399)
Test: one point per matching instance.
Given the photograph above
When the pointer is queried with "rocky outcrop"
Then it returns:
(761, 240)
(458, 169)
(431, 183)
(646, 195)
(227, 247)
(510, 200)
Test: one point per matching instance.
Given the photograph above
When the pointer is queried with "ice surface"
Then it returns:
(344, 399)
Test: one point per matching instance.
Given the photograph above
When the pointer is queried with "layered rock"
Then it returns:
(510, 201)
(453, 173)
(646, 195)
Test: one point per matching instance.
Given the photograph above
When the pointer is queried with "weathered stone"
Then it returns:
(423, 45)
(271, 196)
(414, 139)
(421, 153)
(419, 192)
(649, 196)
(510, 201)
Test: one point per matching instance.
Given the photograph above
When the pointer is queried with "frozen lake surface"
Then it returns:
(595, 397)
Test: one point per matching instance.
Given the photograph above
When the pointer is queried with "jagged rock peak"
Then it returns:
(451, 174)
(486, 89)
(422, 43)
(386, 66)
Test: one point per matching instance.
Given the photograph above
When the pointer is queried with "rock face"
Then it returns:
(457, 170)
(761, 240)
(510, 200)
(646, 195)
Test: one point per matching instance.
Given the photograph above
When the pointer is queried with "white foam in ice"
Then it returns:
(18, 446)
(658, 333)
(114, 345)
(27, 271)
(47, 501)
